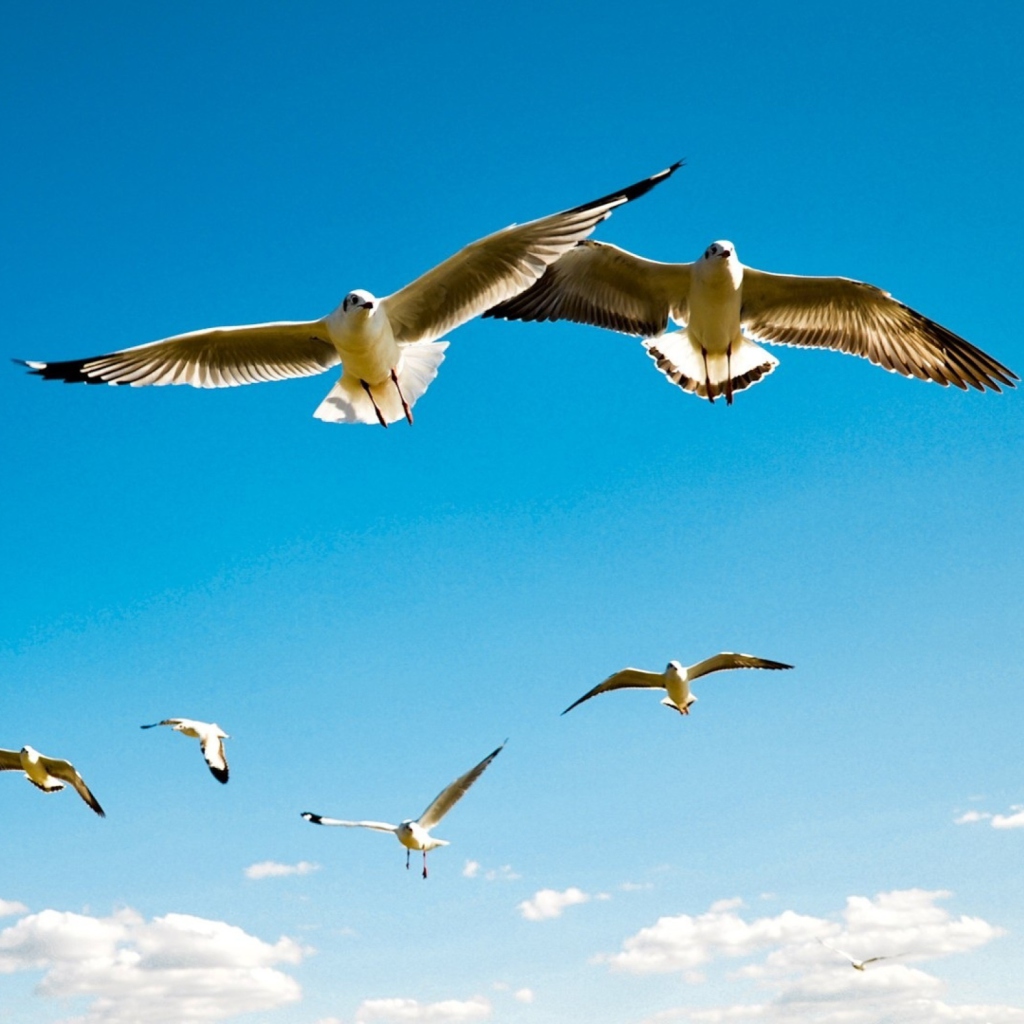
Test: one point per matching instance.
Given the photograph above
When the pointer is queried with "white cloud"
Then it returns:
(524, 995)
(549, 903)
(8, 908)
(166, 970)
(272, 869)
(796, 980)
(471, 869)
(636, 886)
(401, 1010)
(1002, 821)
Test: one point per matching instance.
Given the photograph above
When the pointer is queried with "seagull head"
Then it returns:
(30, 752)
(720, 250)
(358, 303)
(675, 666)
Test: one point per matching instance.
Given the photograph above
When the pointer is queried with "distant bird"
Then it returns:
(676, 679)
(388, 347)
(859, 965)
(48, 773)
(724, 307)
(415, 835)
(211, 740)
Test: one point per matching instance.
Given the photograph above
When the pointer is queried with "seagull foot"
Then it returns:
(707, 376)
(373, 402)
(405, 404)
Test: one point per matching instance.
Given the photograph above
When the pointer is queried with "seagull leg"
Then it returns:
(424, 863)
(707, 376)
(373, 401)
(407, 853)
(728, 370)
(405, 404)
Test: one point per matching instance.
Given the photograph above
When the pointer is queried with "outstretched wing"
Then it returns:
(452, 794)
(65, 771)
(494, 269)
(10, 761)
(850, 316)
(221, 357)
(212, 746)
(377, 826)
(627, 679)
(601, 284)
(166, 721)
(727, 660)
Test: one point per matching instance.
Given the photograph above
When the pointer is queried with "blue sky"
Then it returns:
(368, 613)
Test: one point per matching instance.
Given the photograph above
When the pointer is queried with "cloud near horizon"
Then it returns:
(1001, 821)
(546, 904)
(447, 1011)
(163, 971)
(797, 980)
(274, 869)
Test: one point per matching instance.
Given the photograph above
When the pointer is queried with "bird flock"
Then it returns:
(390, 349)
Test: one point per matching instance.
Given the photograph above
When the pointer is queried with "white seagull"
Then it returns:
(415, 835)
(211, 740)
(859, 965)
(724, 307)
(676, 679)
(48, 773)
(388, 348)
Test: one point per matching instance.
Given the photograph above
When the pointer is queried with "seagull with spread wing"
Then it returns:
(389, 348)
(676, 679)
(725, 307)
(50, 774)
(859, 965)
(415, 835)
(211, 741)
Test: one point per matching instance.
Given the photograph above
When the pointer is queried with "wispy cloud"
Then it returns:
(548, 903)
(472, 869)
(523, 995)
(165, 970)
(796, 980)
(272, 869)
(8, 908)
(1015, 819)
(401, 1010)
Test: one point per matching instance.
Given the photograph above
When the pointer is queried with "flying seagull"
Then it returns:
(676, 679)
(724, 307)
(415, 835)
(211, 740)
(859, 965)
(388, 348)
(48, 773)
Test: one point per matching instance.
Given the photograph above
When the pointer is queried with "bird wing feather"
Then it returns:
(850, 316)
(220, 357)
(66, 772)
(728, 660)
(601, 284)
(493, 269)
(10, 761)
(212, 746)
(628, 678)
(453, 793)
(377, 826)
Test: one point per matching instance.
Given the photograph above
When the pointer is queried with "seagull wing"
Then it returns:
(65, 771)
(452, 794)
(10, 761)
(628, 678)
(221, 357)
(842, 953)
(601, 284)
(377, 826)
(838, 313)
(166, 721)
(727, 660)
(496, 268)
(212, 746)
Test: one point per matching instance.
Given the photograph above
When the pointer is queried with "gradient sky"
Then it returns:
(368, 613)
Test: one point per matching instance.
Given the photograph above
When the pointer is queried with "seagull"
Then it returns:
(415, 835)
(211, 740)
(48, 773)
(676, 679)
(725, 307)
(859, 965)
(388, 347)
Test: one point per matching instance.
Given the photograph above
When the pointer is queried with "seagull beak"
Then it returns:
(366, 305)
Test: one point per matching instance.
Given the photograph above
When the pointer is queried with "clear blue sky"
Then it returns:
(368, 613)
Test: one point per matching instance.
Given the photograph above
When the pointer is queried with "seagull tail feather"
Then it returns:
(683, 363)
(348, 402)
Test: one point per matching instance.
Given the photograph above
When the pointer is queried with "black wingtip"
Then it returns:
(313, 819)
(630, 192)
(220, 774)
